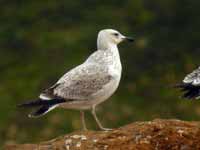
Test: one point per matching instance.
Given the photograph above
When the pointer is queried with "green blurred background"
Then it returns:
(41, 40)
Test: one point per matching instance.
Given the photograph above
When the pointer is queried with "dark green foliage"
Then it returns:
(41, 40)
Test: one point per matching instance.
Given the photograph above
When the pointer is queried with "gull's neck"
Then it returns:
(112, 47)
(115, 66)
(106, 46)
(103, 44)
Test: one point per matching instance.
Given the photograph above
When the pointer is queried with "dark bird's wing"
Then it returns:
(191, 85)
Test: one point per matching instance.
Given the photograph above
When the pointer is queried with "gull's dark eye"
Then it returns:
(116, 34)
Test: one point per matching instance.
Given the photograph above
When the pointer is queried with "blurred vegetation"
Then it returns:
(41, 40)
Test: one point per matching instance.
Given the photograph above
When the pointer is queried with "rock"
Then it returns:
(151, 135)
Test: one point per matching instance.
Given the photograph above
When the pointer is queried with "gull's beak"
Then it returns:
(130, 39)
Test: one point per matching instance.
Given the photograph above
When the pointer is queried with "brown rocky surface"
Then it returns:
(150, 135)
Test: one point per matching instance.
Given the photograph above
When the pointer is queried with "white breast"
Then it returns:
(115, 71)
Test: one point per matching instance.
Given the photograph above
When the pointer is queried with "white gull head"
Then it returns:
(110, 37)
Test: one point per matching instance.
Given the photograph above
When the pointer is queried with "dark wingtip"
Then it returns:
(41, 102)
(189, 91)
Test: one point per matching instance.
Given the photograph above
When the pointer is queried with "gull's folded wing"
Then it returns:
(80, 83)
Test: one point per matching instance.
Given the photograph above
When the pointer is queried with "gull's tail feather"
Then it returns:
(41, 111)
(44, 106)
(189, 91)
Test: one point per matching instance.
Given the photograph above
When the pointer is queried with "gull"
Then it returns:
(190, 86)
(87, 85)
